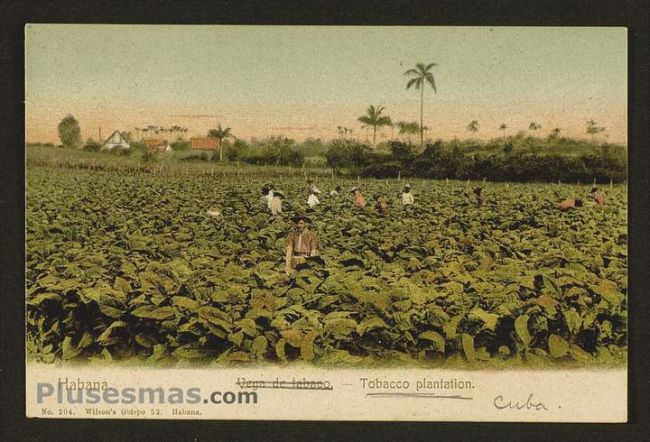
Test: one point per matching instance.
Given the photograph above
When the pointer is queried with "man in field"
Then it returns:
(359, 199)
(312, 199)
(407, 196)
(267, 195)
(276, 202)
(480, 198)
(215, 214)
(301, 243)
(382, 204)
(569, 204)
(598, 197)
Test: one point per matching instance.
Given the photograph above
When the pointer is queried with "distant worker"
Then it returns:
(276, 202)
(480, 198)
(215, 214)
(569, 204)
(407, 196)
(312, 199)
(359, 199)
(311, 187)
(301, 243)
(382, 204)
(336, 191)
(597, 196)
(267, 196)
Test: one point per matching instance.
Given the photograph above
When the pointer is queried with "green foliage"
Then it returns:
(181, 145)
(279, 151)
(149, 157)
(69, 132)
(345, 153)
(516, 280)
(91, 145)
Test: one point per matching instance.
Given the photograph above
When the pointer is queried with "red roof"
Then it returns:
(154, 142)
(205, 143)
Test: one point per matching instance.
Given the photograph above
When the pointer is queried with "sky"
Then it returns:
(304, 81)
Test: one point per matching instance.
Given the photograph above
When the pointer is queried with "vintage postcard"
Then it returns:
(326, 223)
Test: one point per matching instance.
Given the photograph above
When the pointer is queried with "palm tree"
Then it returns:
(420, 76)
(374, 118)
(473, 126)
(503, 127)
(556, 132)
(593, 128)
(407, 128)
(220, 133)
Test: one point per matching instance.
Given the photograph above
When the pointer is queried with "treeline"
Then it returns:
(464, 160)
(274, 150)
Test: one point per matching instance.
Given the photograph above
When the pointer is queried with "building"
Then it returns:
(157, 144)
(117, 139)
(205, 143)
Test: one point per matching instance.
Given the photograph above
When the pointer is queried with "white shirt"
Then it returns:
(312, 200)
(276, 205)
(269, 199)
(407, 199)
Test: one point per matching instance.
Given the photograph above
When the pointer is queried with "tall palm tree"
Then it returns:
(420, 76)
(220, 133)
(374, 118)
(473, 126)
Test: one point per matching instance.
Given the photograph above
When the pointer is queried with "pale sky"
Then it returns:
(302, 81)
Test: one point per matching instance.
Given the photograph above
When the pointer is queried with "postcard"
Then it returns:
(326, 223)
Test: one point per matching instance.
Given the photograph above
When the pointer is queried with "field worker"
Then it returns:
(407, 196)
(311, 187)
(480, 198)
(215, 214)
(359, 199)
(301, 243)
(312, 200)
(569, 204)
(271, 188)
(267, 196)
(382, 204)
(276, 203)
(597, 196)
(335, 191)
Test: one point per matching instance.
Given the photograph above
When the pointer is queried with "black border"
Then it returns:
(633, 14)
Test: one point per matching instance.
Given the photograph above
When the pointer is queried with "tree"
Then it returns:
(503, 127)
(473, 126)
(593, 128)
(555, 133)
(220, 133)
(420, 76)
(374, 118)
(407, 128)
(534, 126)
(70, 132)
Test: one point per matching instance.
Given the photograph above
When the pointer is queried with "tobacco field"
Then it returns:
(128, 266)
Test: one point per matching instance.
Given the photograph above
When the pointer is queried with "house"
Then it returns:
(117, 139)
(205, 143)
(157, 144)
